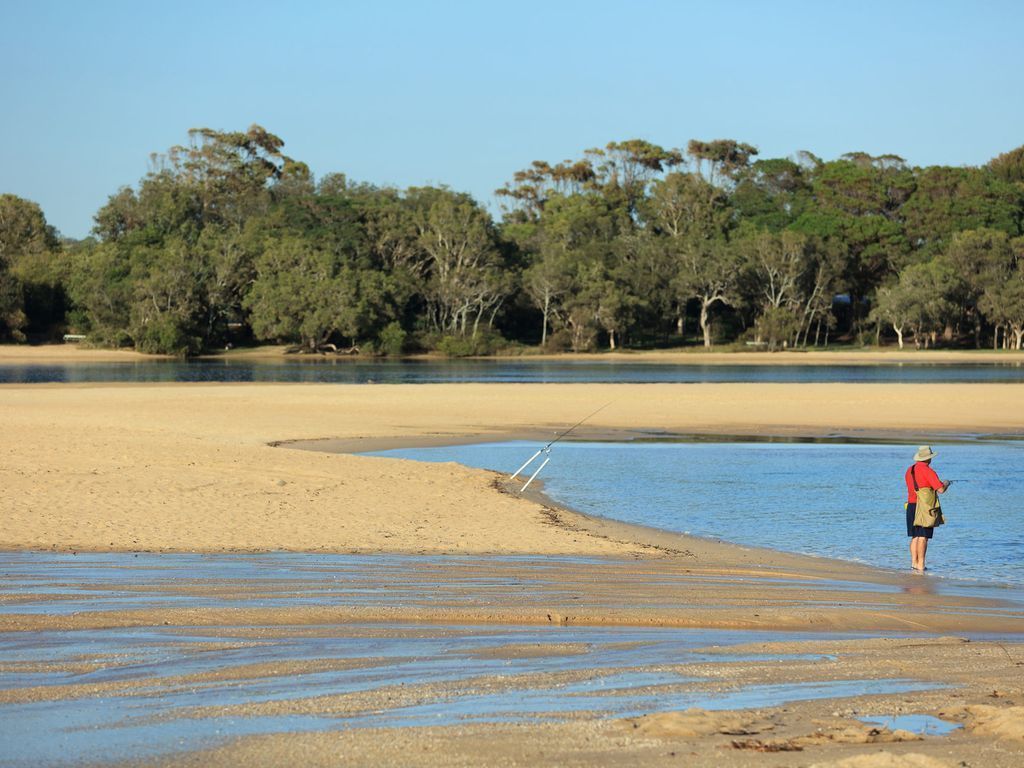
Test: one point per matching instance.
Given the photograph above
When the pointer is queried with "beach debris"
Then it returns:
(321, 349)
(775, 745)
(858, 734)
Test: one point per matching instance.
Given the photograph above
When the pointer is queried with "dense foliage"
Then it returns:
(229, 240)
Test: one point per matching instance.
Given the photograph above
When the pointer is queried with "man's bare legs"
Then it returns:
(918, 551)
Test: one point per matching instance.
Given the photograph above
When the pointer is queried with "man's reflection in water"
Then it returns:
(919, 588)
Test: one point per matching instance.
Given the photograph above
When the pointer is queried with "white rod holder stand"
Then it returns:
(542, 465)
(528, 462)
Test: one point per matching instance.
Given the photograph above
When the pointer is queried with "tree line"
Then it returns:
(228, 240)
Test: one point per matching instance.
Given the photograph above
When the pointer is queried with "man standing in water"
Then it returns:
(920, 475)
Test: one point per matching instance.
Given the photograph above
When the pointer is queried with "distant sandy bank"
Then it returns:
(71, 353)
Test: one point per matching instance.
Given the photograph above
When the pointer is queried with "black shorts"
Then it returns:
(916, 530)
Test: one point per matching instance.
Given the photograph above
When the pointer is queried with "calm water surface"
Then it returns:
(507, 371)
(835, 500)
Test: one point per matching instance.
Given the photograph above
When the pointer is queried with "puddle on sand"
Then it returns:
(62, 584)
(630, 701)
(620, 672)
(926, 725)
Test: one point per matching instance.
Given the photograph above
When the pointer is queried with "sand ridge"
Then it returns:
(189, 467)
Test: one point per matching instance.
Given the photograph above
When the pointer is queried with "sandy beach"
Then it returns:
(45, 354)
(268, 467)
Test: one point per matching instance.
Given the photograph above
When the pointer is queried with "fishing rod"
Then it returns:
(546, 450)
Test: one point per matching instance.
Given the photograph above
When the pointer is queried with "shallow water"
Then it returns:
(926, 725)
(348, 371)
(615, 672)
(835, 499)
(59, 584)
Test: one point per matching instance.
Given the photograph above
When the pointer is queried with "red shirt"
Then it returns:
(926, 478)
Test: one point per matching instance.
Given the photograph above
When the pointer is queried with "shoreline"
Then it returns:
(58, 353)
(679, 589)
(671, 542)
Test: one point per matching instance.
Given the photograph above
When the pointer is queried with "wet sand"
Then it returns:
(676, 589)
(283, 684)
(812, 732)
(561, 697)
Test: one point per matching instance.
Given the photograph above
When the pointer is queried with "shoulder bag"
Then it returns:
(928, 513)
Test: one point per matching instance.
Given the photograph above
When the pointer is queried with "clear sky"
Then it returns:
(466, 93)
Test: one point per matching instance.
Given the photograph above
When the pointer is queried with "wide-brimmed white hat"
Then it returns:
(924, 453)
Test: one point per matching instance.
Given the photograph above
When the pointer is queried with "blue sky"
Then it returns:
(466, 93)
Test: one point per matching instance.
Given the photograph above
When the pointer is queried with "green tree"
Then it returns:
(777, 325)
(624, 169)
(1003, 305)
(855, 210)
(387, 222)
(319, 273)
(780, 264)
(167, 299)
(919, 302)
(821, 283)
(1009, 166)
(981, 259)
(101, 288)
(720, 160)
(578, 235)
(620, 171)
(32, 270)
(948, 200)
(546, 282)
(231, 173)
(1002, 284)
(771, 195)
(184, 241)
(304, 292)
(692, 218)
(466, 282)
